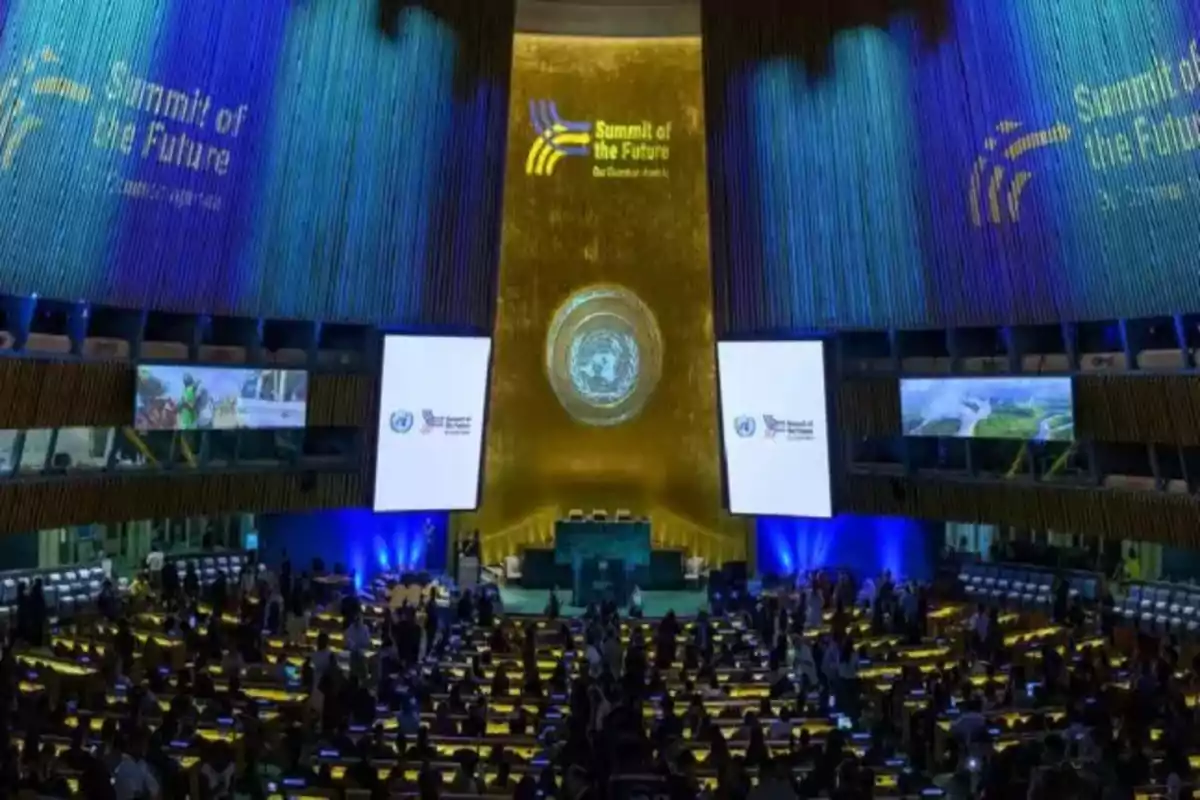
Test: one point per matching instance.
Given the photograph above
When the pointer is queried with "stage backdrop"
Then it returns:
(603, 385)
(1004, 161)
(363, 542)
(866, 546)
(288, 159)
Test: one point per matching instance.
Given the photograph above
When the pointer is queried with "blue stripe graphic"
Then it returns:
(57, 214)
(183, 249)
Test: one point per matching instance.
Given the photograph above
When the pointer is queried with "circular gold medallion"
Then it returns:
(603, 354)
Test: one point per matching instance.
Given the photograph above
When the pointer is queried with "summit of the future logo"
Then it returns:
(555, 139)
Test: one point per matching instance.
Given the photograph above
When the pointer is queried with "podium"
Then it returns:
(468, 572)
(602, 579)
(586, 545)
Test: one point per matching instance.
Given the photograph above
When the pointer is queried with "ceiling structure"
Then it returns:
(634, 18)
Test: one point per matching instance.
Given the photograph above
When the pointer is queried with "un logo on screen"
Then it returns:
(401, 421)
(744, 426)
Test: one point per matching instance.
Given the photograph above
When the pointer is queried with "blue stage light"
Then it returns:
(361, 540)
(865, 545)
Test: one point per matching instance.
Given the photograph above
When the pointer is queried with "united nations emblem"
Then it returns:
(603, 355)
(744, 426)
(401, 421)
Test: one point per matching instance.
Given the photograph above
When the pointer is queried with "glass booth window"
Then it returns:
(83, 448)
(222, 447)
(160, 446)
(8, 442)
(35, 450)
(185, 449)
(131, 451)
(269, 446)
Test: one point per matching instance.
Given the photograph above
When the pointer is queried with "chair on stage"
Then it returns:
(512, 569)
(695, 572)
(599, 514)
(624, 515)
(575, 515)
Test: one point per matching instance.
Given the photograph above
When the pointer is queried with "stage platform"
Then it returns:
(655, 605)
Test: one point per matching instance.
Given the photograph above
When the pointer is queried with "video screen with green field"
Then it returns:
(1030, 409)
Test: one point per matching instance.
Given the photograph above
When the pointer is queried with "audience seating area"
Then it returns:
(208, 567)
(74, 590)
(480, 673)
(1162, 607)
(1025, 585)
(273, 691)
(1148, 606)
(67, 590)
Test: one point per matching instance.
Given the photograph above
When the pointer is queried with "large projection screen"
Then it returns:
(431, 418)
(775, 428)
(172, 397)
(1028, 409)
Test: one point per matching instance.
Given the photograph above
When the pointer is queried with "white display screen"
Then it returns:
(775, 427)
(431, 423)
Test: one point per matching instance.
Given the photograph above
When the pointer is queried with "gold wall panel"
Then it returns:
(637, 220)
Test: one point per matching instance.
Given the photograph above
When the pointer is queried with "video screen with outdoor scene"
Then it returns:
(1037, 409)
(184, 398)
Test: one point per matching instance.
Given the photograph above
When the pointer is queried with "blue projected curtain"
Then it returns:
(864, 545)
(363, 542)
(285, 159)
(980, 163)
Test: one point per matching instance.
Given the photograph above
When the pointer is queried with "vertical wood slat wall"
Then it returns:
(1171, 519)
(26, 506)
(37, 394)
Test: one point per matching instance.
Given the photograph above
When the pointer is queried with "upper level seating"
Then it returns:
(65, 330)
(1167, 360)
(985, 364)
(48, 344)
(926, 365)
(1143, 483)
(1103, 362)
(222, 354)
(1045, 362)
(103, 347)
(1159, 344)
(164, 351)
